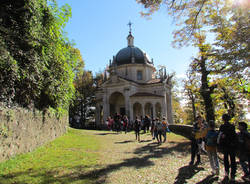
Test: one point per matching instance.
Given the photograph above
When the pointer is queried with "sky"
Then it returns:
(99, 29)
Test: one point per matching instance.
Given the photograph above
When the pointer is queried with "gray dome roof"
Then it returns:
(125, 55)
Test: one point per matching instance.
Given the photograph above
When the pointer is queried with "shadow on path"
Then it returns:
(187, 172)
(210, 179)
(108, 133)
(157, 150)
(124, 142)
(97, 174)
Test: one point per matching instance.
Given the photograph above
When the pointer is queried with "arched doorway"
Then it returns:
(117, 103)
(158, 112)
(137, 110)
(148, 109)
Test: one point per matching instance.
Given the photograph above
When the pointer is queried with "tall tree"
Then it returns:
(202, 66)
(228, 21)
(36, 60)
(84, 101)
(191, 91)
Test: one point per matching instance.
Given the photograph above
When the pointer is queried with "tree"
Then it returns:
(37, 60)
(191, 91)
(229, 100)
(84, 97)
(80, 62)
(179, 114)
(228, 52)
(227, 20)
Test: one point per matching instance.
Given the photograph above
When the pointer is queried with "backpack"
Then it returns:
(211, 138)
(137, 124)
(229, 138)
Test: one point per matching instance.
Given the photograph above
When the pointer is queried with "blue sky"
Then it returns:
(99, 29)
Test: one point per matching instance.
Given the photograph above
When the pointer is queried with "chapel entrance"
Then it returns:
(137, 110)
(149, 110)
(117, 104)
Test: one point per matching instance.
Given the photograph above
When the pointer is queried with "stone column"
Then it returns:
(131, 110)
(154, 113)
(97, 113)
(164, 106)
(169, 107)
(127, 102)
(143, 110)
(105, 107)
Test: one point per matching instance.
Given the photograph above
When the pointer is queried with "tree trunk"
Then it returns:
(228, 103)
(192, 98)
(206, 91)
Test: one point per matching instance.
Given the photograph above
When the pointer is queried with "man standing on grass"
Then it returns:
(244, 147)
(159, 129)
(137, 127)
(227, 140)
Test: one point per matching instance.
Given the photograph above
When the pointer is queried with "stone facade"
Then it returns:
(132, 88)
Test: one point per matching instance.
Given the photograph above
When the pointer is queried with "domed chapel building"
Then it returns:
(132, 88)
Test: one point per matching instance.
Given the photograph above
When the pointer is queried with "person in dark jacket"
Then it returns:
(227, 140)
(159, 129)
(146, 123)
(153, 129)
(244, 148)
(137, 127)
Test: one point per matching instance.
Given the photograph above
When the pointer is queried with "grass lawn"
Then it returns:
(89, 156)
(54, 162)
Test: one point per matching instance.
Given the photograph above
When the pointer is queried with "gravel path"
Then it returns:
(127, 161)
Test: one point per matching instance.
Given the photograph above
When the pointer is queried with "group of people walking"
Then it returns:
(157, 128)
(206, 138)
(118, 123)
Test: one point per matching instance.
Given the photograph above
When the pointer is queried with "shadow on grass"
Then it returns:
(149, 140)
(108, 133)
(210, 179)
(227, 181)
(97, 174)
(94, 174)
(124, 142)
(155, 150)
(187, 172)
(79, 173)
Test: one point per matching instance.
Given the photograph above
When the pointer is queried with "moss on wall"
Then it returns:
(22, 130)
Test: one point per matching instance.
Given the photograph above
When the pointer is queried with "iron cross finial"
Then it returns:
(130, 24)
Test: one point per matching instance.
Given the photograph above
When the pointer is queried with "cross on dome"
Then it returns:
(130, 24)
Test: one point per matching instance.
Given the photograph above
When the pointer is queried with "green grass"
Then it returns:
(60, 161)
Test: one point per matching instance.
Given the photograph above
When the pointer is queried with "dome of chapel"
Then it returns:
(131, 54)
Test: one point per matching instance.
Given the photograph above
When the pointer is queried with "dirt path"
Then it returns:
(126, 161)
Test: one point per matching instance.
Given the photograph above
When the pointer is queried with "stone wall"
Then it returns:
(184, 130)
(22, 130)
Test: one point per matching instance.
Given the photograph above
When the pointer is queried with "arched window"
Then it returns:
(139, 75)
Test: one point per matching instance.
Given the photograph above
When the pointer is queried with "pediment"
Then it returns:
(115, 81)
